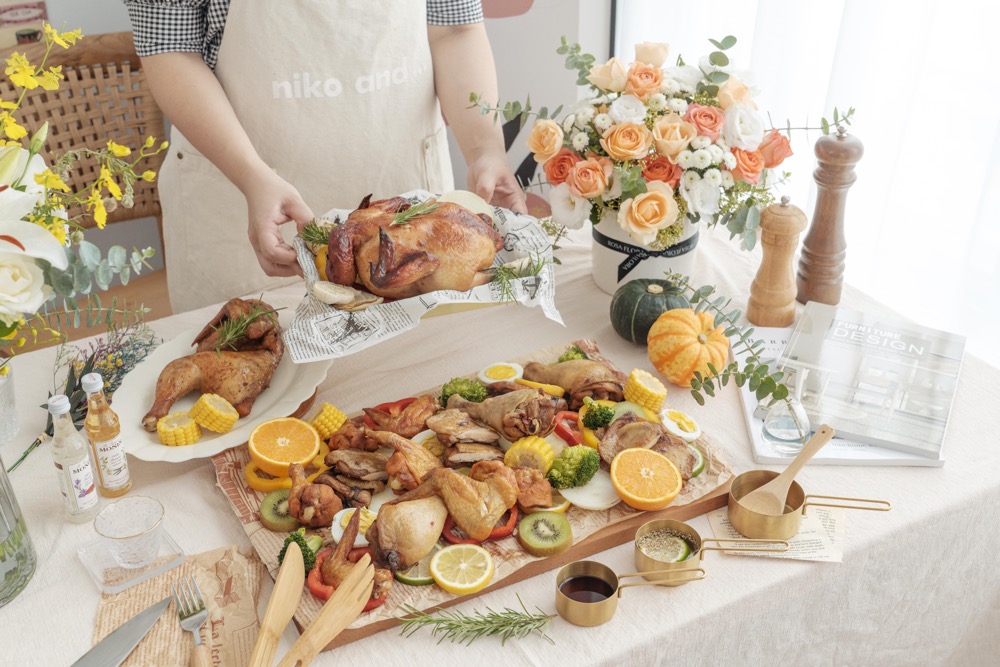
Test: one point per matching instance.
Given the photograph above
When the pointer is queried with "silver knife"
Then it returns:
(113, 649)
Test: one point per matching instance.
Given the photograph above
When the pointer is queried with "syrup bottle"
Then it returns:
(104, 433)
(72, 459)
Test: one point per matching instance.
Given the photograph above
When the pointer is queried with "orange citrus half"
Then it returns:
(645, 480)
(277, 443)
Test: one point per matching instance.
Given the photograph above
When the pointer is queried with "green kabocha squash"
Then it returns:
(637, 304)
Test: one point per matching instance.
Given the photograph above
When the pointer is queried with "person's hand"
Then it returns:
(492, 179)
(272, 202)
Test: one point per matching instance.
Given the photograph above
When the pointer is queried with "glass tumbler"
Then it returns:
(787, 426)
(8, 408)
(131, 528)
(17, 555)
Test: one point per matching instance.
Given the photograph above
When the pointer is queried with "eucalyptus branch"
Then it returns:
(511, 110)
(839, 119)
(465, 629)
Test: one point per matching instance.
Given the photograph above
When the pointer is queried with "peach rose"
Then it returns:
(589, 178)
(545, 140)
(610, 76)
(662, 169)
(643, 80)
(749, 164)
(672, 134)
(651, 53)
(774, 149)
(646, 214)
(627, 141)
(558, 168)
(708, 120)
(733, 91)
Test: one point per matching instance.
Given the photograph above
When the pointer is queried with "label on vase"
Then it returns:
(111, 462)
(77, 483)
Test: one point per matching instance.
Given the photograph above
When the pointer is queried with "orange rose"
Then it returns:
(707, 120)
(643, 80)
(733, 91)
(589, 178)
(774, 149)
(749, 164)
(545, 140)
(646, 214)
(558, 168)
(662, 169)
(610, 76)
(672, 134)
(627, 141)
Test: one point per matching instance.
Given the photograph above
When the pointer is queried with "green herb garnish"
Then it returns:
(314, 233)
(235, 329)
(505, 274)
(458, 627)
(404, 217)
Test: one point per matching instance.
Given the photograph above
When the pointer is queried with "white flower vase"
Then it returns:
(616, 258)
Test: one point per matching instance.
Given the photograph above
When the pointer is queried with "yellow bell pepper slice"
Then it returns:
(251, 473)
(550, 389)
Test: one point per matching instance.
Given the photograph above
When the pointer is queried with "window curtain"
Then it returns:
(923, 218)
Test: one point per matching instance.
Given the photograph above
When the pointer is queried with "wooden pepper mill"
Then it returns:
(821, 265)
(772, 293)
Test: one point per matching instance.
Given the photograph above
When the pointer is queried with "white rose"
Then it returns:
(744, 127)
(729, 159)
(628, 109)
(700, 142)
(580, 140)
(568, 122)
(685, 159)
(678, 105)
(702, 158)
(690, 178)
(713, 176)
(701, 196)
(22, 286)
(716, 153)
(568, 210)
(670, 87)
(687, 76)
(657, 102)
(603, 121)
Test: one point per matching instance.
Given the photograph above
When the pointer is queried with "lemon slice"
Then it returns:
(420, 573)
(462, 568)
(665, 548)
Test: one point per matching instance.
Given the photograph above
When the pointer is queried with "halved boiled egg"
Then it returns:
(681, 425)
(343, 517)
(502, 371)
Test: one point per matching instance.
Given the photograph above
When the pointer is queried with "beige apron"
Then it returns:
(337, 97)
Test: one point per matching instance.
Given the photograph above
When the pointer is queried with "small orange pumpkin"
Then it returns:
(682, 341)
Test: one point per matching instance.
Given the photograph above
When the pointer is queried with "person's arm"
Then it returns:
(463, 64)
(193, 99)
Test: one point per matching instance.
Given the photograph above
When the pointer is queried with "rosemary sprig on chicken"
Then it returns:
(403, 217)
(505, 274)
(315, 234)
(234, 329)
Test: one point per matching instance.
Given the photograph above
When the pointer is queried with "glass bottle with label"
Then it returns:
(106, 445)
(72, 458)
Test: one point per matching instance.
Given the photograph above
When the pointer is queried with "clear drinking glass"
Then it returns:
(787, 426)
(17, 555)
(8, 408)
(131, 527)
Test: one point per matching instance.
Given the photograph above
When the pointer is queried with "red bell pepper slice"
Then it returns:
(568, 429)
(393, 408)
(324, 591)
(504, 527)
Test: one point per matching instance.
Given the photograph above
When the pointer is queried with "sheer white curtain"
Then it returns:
(923, 218)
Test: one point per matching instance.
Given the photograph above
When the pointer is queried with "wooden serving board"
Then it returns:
(594, 532)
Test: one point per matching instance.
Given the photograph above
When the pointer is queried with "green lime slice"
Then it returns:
(699, 461)
(420, 573)
(673, 550)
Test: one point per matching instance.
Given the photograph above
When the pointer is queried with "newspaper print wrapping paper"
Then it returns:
(321, 332)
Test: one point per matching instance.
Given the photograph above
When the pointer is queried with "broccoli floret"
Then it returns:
(307, 545)
(597, 415)
(573, 352)
(575, 466)
(470, 390)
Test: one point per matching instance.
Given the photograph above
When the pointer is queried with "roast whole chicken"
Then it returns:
(445, 248)
(239, 373)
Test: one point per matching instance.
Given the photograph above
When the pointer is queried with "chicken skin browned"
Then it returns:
(409, 464)
(238, 375)
(337, 566)
(312, 504)
(580, 378)
(407, 421)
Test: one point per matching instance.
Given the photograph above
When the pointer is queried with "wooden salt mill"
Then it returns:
(821, 265)
(772, 293)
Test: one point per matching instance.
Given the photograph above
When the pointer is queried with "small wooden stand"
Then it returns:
(772, 293)
(821, 266)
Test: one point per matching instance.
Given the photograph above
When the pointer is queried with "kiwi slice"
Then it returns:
(274, 512)
(545, 533)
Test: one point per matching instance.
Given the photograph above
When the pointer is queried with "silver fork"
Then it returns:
(193, 614)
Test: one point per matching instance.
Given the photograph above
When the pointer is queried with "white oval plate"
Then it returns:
(291, 385)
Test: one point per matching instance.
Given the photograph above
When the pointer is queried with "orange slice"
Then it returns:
(277, 443)
(645, 480)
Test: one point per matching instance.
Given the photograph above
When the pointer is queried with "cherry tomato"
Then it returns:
(393, 408)
(567, 428)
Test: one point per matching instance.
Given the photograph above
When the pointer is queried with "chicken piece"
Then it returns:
(475, 502)
(513, 415)
(312, 504)
(580, 378)
(405, 532)
(337, 566)
(466, 453)
(368, 466)
(375, 486)
(351, 435)
(238, 375)
(533, 490)
(626, 432)
(406, 422)
(446, 248)
(409, 464)
(678, 452)
(453, 425)
(352, 495)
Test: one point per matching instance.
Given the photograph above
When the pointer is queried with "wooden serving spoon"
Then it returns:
(280, 608)
(770, 498)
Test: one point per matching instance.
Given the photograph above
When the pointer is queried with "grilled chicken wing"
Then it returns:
(407, 422)
(453, 426)
(336, 567)
(409, 464)
(312, 504)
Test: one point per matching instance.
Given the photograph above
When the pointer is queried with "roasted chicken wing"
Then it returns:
(336, 567)
(409, 464)
(514, 415)
(312, 504)
(408, 421)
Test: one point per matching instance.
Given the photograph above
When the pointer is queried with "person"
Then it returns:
(282, 110)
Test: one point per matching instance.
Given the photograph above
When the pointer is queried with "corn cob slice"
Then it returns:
(328, 420)
(213, 412)
(643, 389)
(178, 429)
(532, 452)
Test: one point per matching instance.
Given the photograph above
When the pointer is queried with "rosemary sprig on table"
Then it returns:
(315, 233)
(235, 329)
(505, 274)
(464, 629)
(404, 217)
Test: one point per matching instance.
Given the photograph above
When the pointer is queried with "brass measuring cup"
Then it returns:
(605, 601)
(663, 571)
(786, 525)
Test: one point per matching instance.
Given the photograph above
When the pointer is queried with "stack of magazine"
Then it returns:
(884, 384)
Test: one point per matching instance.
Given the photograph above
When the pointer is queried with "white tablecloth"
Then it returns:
(917, 585)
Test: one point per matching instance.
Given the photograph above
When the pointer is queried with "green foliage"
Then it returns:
(576, 59)
(86, 268)
(458, 627)
(505, 274)
(410, 214)
(307, 545)
(572, 352)
(575, 466)
(470, 390)
(315, 233)
(709, 88)
(234, 329)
